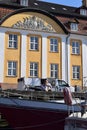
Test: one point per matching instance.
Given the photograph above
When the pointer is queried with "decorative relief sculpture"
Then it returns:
(33, 23)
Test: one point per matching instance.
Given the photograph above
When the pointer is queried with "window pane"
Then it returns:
(31, 72)
(9, 72)
(53, 45)
(36, 39)
(12, 41)
(31, 39)
(15, 37)
(35, 66)
(9, 64)
(15, 44)
(35, 73)
(33, 69)
(54, 70)
(10, 37)
(74, 26)
(73, 44)
(36, 46)
(75, 48)
(34, 43)
(76, 72)
(14, 72)
(12, 66)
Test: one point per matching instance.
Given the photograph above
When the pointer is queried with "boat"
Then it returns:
(77, 120)
(30, 110)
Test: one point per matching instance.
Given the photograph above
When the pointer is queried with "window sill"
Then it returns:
(12, 48)
(75, 79)
(75, 54)
(53, 52)
(11, 76)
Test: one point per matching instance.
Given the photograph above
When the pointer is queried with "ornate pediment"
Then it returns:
(33, 23)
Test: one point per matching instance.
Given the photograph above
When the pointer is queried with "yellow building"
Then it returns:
(42, 40)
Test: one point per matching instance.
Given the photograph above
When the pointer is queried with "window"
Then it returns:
(12, 68)
(24, 2)
(62, 83)
(75, 47)
(83, 11)
(76, 72)
(74, 26)
(54, 70)
(34, 69)
(34, 43)
(53, 45)
(12, 41)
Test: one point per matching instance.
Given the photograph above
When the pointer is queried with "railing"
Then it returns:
(36, 95)
(39, 95)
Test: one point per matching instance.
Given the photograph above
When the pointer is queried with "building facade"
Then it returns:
(42, 40)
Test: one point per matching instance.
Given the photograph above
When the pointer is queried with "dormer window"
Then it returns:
(83, 12)
(74, 26)
(24, 2)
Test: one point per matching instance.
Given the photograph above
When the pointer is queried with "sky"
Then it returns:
(74, 3)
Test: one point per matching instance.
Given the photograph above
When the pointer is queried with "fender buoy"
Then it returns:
(67, 96)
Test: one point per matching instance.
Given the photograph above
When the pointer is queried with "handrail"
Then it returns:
(38, 94)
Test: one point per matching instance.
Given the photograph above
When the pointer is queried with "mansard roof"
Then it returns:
(52, 8)
(63, 13)
(38, 11)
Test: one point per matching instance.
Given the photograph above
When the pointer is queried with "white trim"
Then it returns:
(84, 61)
(2, 47)
(68, 47)
(64, 58)
(23, 55)
(44, 57)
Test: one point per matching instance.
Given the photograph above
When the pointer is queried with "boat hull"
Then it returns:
(25, 114)
(33, 119)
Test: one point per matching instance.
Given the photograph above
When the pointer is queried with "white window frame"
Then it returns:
(76, 72)
(12, 68)
(83, 11)
(74, 26)
(54, 70)
(33, 44)
(33, 69)
(75, 48)
(53, 44)
(24, 2)
(13, 41)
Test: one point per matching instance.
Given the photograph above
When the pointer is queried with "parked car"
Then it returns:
(59, 85)
(62, 84)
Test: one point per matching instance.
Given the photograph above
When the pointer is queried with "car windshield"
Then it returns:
(62, 83)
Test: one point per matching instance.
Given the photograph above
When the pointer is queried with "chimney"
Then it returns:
(84, 3)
